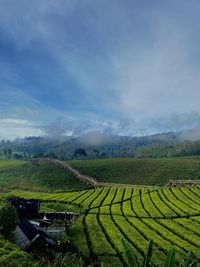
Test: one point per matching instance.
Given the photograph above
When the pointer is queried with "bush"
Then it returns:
(12, 256)
(61, 260)
(8, 221)
(15, 258)
(170, 261)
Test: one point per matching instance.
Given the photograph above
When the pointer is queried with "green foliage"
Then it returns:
(8, 221)
(55, 207)
(12, 256)
(169, 149)
(61, 260)
(139, 215)
(162, 145)
(141, 171)
(66, 260)
(189, 260)
(44, 177)
(148, 254)
(129, 254)
(15, 258)
(79, 153)
(168, 216)
(171, 258)
(109, 261)
(7, 152)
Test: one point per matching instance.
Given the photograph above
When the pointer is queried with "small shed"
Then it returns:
(28, 234)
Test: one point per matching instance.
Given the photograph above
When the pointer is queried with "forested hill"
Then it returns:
(94, 146)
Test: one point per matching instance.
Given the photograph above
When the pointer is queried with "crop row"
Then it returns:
(163, 232)
(143, 203)
(168, 216)
(138, 232)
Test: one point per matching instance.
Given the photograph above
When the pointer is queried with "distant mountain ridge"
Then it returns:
(98, 145)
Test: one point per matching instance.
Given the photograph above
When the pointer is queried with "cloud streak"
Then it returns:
(16, 128)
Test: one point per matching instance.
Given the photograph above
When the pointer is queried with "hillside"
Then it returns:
(25, 175)
(44, 177)
(96, 145)
(140, 171)
(170, 217)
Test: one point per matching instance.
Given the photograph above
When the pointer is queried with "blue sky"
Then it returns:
(123, 67)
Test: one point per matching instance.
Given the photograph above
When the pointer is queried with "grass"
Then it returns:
(140, 171)
(58, 207)
(136, 215)
(27, 176)
(168, 216)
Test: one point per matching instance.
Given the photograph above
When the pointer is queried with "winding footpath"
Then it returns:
(81, 177)
(92, 181)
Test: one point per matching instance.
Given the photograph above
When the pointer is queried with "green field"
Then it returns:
(170, 217)
(140, 171)
(44, 177)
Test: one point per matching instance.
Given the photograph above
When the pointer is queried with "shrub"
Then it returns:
(8, 221)
(189, 260)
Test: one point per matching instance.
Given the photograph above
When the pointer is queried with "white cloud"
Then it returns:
(10, 121)
(14, 128)
(131, 69)
(159, 78)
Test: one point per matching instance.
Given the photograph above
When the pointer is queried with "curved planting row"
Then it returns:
(168, 216)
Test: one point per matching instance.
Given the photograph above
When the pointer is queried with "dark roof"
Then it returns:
(32, 232)
(41, 232)
(28, 229)
(26, 208)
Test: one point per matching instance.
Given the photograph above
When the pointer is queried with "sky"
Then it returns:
(126, 67)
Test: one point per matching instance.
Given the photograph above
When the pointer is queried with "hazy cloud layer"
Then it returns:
(119, 67)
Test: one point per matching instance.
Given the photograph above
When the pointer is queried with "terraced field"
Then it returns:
(17, 174)
(23, 175)
(152, 171)
(168, 216)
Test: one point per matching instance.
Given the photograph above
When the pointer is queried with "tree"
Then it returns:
(8, 221)
(103, 155)
(7, 152)
(96, 153)
(80, 152)
(51, 155)
(38, 155)
(17, 156)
